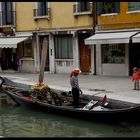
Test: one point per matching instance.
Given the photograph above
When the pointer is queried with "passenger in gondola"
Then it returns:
(76, 91)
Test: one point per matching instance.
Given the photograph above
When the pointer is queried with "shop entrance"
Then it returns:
(8, 59)
(134, 56)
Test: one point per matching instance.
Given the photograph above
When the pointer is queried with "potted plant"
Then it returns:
(108, 8)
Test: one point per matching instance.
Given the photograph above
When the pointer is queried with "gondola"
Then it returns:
(89, 109)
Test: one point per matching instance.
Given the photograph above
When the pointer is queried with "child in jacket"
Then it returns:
(135, 78)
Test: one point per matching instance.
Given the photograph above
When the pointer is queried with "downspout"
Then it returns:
(130, 47)
(94, 25)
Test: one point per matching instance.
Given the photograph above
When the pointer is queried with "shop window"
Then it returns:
(113, 53)
(27, 49)
(63, 47)
(133, 6)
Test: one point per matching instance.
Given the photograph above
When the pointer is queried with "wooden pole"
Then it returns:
(40, 85)
(43, 60)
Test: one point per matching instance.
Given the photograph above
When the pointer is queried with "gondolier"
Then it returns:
(75, 86)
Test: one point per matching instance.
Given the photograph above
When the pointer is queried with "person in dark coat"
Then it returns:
(15, 61)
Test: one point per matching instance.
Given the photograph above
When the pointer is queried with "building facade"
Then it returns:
(65, 32)
(116, 38)
(105, 42)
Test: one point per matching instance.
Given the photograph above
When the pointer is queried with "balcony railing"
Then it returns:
(7, 18)
(79, 9)
(41, 13)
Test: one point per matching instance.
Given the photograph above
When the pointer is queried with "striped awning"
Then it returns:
(11, 42)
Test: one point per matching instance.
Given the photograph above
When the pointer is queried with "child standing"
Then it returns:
(135, 77)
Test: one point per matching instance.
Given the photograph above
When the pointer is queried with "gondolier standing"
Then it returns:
(75, 86)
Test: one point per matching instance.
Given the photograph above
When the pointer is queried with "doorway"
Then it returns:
(134, 54)
(85, 55)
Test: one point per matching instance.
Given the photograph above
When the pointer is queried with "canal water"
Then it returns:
(17, 121)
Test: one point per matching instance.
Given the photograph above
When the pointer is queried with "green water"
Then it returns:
(22, 122)
(17, 121)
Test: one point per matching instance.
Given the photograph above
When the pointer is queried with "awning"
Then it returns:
(110, 38)
(11, 42)
(136, 38)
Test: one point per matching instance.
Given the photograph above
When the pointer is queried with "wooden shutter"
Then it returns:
(117, 7)
(99, 6)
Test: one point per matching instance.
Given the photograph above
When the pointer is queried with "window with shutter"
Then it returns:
(108, 7)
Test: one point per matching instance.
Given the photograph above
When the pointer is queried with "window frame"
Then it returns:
(136, 4)
(114, 54)
(59, 48)
(27, 45)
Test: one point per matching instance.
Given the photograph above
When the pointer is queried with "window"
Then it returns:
(113, 53)
(63, 47)
(27, 49)
(83, 7)
(133, 6)
(42, 8)
(7, 13)
(108, 7)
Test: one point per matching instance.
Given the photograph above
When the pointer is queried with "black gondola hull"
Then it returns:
(124, 114)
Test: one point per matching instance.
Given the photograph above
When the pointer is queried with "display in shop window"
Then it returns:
(113, 53)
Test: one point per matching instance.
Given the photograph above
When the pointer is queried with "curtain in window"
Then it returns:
(83, 6)
(42, 8)
(100, 7)
(7, 13)
(63, 47)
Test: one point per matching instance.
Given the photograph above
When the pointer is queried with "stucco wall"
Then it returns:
(121, 20)
(61, 17)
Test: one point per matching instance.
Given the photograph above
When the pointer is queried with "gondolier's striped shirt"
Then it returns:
(74, 82)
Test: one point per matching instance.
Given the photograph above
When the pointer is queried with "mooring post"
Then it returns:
(43, 60)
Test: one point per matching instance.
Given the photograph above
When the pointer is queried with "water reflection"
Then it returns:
(22, 122)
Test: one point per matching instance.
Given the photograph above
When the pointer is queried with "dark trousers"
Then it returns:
(75, 93)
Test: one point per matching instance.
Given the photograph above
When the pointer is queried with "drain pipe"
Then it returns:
(94, 25)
